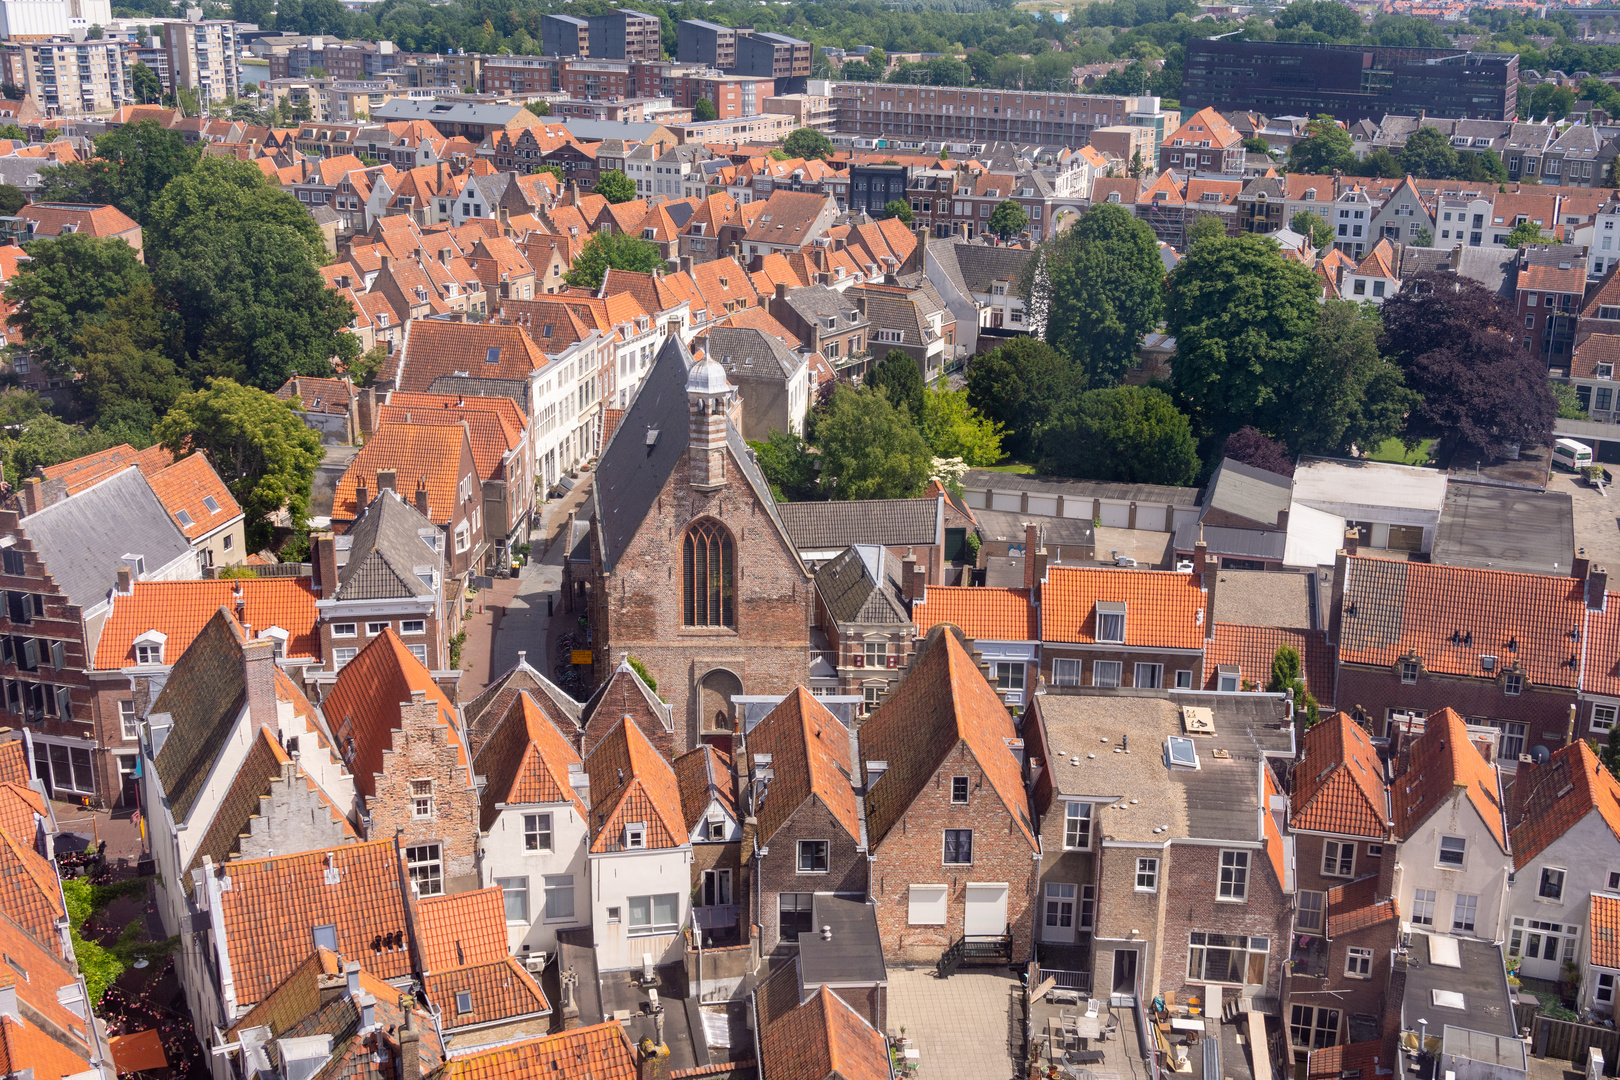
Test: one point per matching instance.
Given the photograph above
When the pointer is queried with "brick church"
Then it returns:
(692, 572)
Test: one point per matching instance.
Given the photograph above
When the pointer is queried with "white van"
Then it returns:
(1571, 455)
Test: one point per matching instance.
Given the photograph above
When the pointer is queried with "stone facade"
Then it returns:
(422, 750)
(292, 817)
(776, 869)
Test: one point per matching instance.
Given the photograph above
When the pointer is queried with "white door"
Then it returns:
(986, 914)
(1057, 926)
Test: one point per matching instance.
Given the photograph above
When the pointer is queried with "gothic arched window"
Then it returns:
(709, 564)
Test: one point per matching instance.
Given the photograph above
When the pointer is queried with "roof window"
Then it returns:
(1110, 621)
(211, 503)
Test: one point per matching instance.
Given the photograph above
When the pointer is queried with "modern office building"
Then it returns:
(203, 57)
(698, 41)
(565, 35)
(1350, 82)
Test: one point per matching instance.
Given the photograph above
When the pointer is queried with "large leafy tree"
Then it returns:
(616, 251)
(1428, 155)
(954, 429)
(1459, 350)
(252, 306)
(65, 284)
(1106, 284)
(703, 111)
(124, 359)
(1344, 393)
(615, 187)
(12, 199)
(897, 376)
(257, 444)
(1324, 148)
(217, 195)
(1008, 219)
(807, 143)
(896, 208)
(1337, 21)
(1020, 385)
(789, 467)
(146, 84)
(1128, 434)
(870, 449)
(1248, 446)
(139, 160)
(1241, 315)
(1313, 228)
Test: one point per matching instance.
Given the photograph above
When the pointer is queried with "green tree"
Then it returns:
(1342, 392)
(1254, 144)
(1525, 233)
(1424, 237)
(14, 133)
(1324, 148)
(1568, 402)
(1313, 228)
(897, 375)
(615, 187)
(12, 199)
(65, 284)
(954, 429)
(1021, 385)
(1126, 434)
(1286, 676)
(1206, 227)
(1610, 754)
(1481, 167)
(1428, 155)
(74, 181)
(1549, 101)
(138, 161)
(216, 195)
(257, 444)
(703, 111)
(363, 368)
(808, 143)
(315, 72)
(1240, 314)
(789, 467)
(870, 449)
(122, 359)
(1008, 219)
(1106, 285)
(616, 251)
(895, 208)
(539, 108)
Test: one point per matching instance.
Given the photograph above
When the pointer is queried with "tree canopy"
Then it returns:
(1106, 284)
(1126, 434)
(1428, 155)
(65, 284)
(703, 111)
(1008, 219)
(1021, 385)
(1247, 446)
(898, 377)
(954, 429)
(807, 143)
(1325, 146)
(615, 251)
(258, 445)
(615, 187)
(869, 448)
(1313, 228)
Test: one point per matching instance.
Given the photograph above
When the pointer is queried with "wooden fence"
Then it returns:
(1570, 1041)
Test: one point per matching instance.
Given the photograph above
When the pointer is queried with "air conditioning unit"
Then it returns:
(535, 962)
(1526, 759)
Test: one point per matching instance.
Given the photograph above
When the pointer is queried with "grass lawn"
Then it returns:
(1012, 467)
(1394, 450)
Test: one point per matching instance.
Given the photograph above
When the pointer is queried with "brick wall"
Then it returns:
(913, 853)
(421, 750)
(777, 871)
(1545, 710)
(1189, 878)
(1128, 659)
(639, 608)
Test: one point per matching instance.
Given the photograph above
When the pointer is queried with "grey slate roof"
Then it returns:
(83, 539)
(982, 480)
(631, 474)
(824, 526)
(385, 552)
(1225, 540)
(516, 389)
(204, 694)
(943, 253)
(857, 587)
(593, 130)
(750, 352)
(484, 713)
(813, 302)
(454, 112)
(1247, 492)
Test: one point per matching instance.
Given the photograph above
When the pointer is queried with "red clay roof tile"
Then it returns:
(982, 614)
(1339, 783)
(180, 609)
(461, 929)
(1163, 609)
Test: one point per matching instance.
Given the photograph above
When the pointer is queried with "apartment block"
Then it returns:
(624, 34)
(523, 74)
(699, 41)
(462, 71)
(868, 110)
(202, 57)
(565, 35)
(69, 78)
(733, 95)
(339, 59)
(776, 56)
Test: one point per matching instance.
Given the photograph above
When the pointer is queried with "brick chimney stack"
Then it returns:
(323, 551)
(385, 480)
(422, 497)
(1032, 543)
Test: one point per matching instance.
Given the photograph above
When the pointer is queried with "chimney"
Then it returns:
(239, 599)
(781, 298)
(1200, 556)
(387, 262)
(323, 553)
(385, 480)
(444, 256)
(1352, 541)
(908, 577)
(125, 581)
(30, 495)
(1581, 566)
(1032, 541)
(259, 675)
(351, 979)
(685, 264)
(1597, 588)
(580, 781)
(410, 1039)
(440, 185)
(735, 251)
(1282, 521)
(1212, 575)
(361, 499)
(422, 497)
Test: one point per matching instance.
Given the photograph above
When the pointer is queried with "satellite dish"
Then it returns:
(1540, 754)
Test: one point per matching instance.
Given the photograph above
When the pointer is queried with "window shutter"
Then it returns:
(927, 906)
(894, 661)
(860, 659)
(64, 702)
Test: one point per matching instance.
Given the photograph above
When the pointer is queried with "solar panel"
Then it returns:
(1181, 753)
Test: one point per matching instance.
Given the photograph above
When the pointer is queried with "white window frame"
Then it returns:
(1557, 896)
(556, 885)
(422, 801)
(424, 865)
(1458, 846)
(1155, 680)
(1315, 906)
(1333, 860)
(1067, 671)
(1464, 903)
(1603, 717)
(1358, 962)
(651, 927)
(412, 626)
(803, 848)
(1147, 874)
(1106, 673)
(128, 725)
(1077, 820)
(514, 887)
(1233, 886)
(537, 828)
(1423, 902)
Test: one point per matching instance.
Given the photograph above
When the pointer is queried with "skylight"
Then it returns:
(185, 518)
(492, 355)
(212, 504)
(1180, 753)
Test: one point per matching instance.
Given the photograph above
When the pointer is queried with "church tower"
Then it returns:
(709, 396)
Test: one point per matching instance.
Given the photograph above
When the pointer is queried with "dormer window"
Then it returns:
(1110, 621)
(635, 835)
(149, 647)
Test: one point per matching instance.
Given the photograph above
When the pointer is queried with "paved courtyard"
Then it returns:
(955, 1022)
(1597, 519)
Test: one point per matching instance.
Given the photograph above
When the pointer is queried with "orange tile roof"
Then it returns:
(364, 704)
(102, 221)
(1339, 783)
(631, 782)
(1357, 905)
(1443, 760)
(809, 751)
(30, 1043)
(184, 489)
(14, 764)
(460, 929)
(1270, 831)
(418, 453)
(943, 701)
(1394, 609)
(1605, 930)
(704, 776)
(498, 990)
(757, 318)
(982, 614)
(1251, 649)
(525, 762)
(1163, 609)
(274, 902)
(1369, 1059)
(1551, 799)
(29, 890)
(600, 1052)
(824, 1037)
(1600, 668)
(434, 348)
(180, 609)
(91, 469)
(298, 995)
(18, 805)
(1552, 279)
(489, 436)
